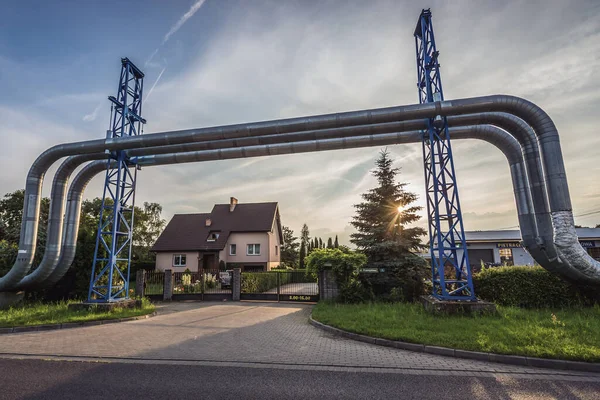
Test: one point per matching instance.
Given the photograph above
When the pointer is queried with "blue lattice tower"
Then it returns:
(110, 272)
(446, 230)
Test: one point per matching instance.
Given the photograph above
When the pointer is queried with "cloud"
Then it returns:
(182, 20)
(287, 60)
(189, 14)
(94, 114)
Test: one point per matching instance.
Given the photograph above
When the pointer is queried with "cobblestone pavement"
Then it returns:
(253, 334)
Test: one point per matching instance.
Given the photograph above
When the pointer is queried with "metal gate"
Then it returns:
(206, 284)
(279, 286)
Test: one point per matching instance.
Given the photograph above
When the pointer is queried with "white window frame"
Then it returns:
(254, 247)
(184, 256)
(233, 249)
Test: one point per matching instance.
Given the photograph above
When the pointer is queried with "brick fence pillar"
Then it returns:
(168, 285)
(328, 288)
(140, 280)
(236, 284)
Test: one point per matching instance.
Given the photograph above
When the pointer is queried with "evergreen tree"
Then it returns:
(336, 244)
(304, 242)
(320, 243)
(383, 235)
(302, 255)
(329, 243)
(289, 248)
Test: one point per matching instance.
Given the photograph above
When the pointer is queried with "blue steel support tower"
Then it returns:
(446, 231)
(110, 272)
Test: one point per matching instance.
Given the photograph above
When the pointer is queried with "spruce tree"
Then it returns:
(302, 255)
(320, 243)
(329, 243)
(289, 248)
(384, 236)
(336, 244)
(304, 241)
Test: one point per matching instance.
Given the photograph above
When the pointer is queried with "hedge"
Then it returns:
(531, 287)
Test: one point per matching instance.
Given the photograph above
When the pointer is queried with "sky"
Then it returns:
(218, 62)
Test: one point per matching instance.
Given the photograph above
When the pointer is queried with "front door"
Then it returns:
(209, 261)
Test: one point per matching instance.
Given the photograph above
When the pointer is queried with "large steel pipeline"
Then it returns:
(505, 121)
(542, 125)
(499, 138)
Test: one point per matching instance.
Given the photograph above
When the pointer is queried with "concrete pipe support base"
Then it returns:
(436, 306)
(10, 299)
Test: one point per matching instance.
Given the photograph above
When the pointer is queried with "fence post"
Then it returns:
(328, 288)
(236, 284)
(168, 285)
(278, 285)
(140, 280)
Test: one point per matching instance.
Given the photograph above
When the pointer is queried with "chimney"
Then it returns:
(208, 222)
(232, 203)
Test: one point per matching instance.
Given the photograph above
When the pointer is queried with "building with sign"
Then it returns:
(504, 247)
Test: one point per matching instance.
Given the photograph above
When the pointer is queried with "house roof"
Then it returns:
(515, 235)
(189, 231)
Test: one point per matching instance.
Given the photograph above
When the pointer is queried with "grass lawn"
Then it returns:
(570, 334)
(56, 313)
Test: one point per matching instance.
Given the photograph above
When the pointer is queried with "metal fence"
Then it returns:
(279, 286)
(154, 283)
(205, 284)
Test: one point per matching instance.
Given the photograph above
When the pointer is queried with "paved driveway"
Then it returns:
(262, 334)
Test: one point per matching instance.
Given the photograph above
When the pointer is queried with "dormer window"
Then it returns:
(212, 236)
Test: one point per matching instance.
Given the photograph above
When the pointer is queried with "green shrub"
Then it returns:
(531, 287)
(402, 280)
(343, 262)
(353, 292)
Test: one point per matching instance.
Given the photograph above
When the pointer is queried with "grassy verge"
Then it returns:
(569, 334)
(56, 313)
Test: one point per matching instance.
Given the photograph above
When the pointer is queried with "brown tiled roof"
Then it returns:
(189, 231)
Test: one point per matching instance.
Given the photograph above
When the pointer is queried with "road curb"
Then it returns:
(69, 325)
(457, 353)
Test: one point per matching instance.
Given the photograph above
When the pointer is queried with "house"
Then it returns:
(505, 247)
(246, 236)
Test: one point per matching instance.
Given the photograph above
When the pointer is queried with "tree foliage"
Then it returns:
(147, 227)
(289, 249)
(383, 234)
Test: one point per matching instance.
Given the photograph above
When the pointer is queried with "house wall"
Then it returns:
(274, 241)
(242, 240)
(520, 255)
(164, 260)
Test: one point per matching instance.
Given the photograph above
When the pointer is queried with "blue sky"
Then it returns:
(222, 62)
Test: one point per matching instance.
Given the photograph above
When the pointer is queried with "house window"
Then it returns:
(506, 256)
(212, 236)
(276, 250)
(179, 260)
(232, 249)
(253, 250)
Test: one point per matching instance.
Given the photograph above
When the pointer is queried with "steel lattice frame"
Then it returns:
(446, 230)
(112, 256)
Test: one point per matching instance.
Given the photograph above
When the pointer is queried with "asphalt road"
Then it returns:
(42, 379)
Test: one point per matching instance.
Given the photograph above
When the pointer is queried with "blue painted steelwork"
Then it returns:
(446, 231)
(110, 272)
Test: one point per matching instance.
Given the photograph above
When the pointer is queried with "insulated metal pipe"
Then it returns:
(528, 230)
(530, 113)
(501, 139)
